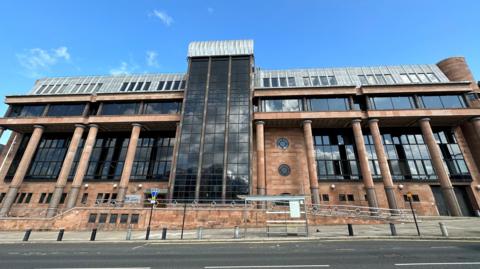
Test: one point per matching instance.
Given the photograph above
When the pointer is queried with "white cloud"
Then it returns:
(152, 58)
(210, 10)
(163, 16)
(37, 60)
(123, 69)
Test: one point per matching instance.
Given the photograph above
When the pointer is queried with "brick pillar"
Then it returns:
(364, 166)
(260, 158)
(476, 125)
(129, 158)
(383, 162)
(65, 171)
(440, 170)
(82, 166)
(311, 162)
(22, 169)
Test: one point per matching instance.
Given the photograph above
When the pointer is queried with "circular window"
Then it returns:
(284, 170)
(282, 143)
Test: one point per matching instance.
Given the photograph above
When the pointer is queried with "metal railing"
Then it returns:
(364, 212)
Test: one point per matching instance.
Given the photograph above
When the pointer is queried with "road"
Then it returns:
(236, 255)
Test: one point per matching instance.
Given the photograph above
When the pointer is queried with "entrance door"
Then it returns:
(463, 200)
(440, 201)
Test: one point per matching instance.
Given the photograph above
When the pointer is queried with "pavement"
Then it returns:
(458, 229)
(360, 254)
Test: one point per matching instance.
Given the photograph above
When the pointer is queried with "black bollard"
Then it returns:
(60, 234)
(147, 235)
(93, 235)
(350, 229)
(27, 234)
(164, 233)
(393, 229)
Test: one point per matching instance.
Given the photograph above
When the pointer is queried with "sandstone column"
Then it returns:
(364, 165)
(82, 166)
(65, 171)
(476, 125)
(22, 169)
(129, 158)
(382, 161)
(260, 158)
(440, 170)
(311, 162)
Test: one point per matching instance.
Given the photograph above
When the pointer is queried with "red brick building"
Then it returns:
(361, 136)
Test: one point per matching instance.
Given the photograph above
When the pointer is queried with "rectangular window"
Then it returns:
(315, 81)
(350, 197)
(342, 197)
(120, 108)
(102, 218)
(66, 110)
(443, 101)
(21, 111)
(274, 82)
(423, 77)
(266, 82)
(329, 104)
(162, 108)
(324, 80)
(306, 81)
(139, 86)
(49, 198)
(124, 86)
(176, 84)
(363, 79)
(325, 197)
(282, 105)
(123, 218)
(134, 219)
(332, 80)
(283, 81)
(92, 218)
(113, 218)
(371, 79)
(168, 85)
(389, 79)
(380, 79)
(160, 85)
(291, 82)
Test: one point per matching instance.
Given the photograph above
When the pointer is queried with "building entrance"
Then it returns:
(462, 198)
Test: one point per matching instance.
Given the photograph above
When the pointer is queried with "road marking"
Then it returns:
(436, 263)
(268, 266)
(444, 247)
(345, 249)
(99, 268)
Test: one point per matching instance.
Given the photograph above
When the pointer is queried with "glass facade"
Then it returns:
(21, 111)
(192, 122)
(120, 108)
(47, 160)
(328, 104)
(393, 102)
(443, 101)
(408, 155)
(452, 155)
(201, 162)
(162, 108)
(153, 157)
(336, 155)
(108, 157)
(66, 110)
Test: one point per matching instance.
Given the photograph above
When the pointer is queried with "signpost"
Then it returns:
(153, 200)
(409, 196)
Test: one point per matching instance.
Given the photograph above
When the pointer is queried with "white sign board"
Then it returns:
(294, 209)
(133, 199)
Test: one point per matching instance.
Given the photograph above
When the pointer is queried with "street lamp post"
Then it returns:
(153, 202)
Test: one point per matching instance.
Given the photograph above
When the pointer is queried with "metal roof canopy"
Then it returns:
(267, 198)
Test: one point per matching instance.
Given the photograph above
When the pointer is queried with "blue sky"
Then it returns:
(63, 38)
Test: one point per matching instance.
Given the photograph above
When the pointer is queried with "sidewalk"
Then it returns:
(458, 228)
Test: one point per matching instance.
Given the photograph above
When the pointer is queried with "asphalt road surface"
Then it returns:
(237, 255)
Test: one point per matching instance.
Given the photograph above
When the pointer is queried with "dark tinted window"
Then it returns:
(66, 110)
(134, 219)
(103, 218)
(443, 101)
(396, 102)
(92, 218)
(162, 108)
(124, 218)
(113, 218)
(329, 104)
(26, 110)
(119, 108)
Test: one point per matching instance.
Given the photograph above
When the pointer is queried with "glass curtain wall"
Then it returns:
(223, 154)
